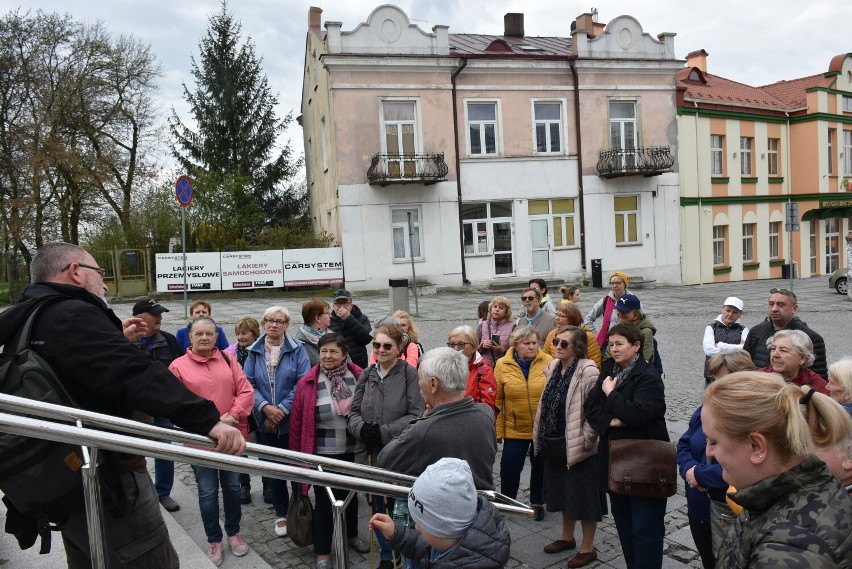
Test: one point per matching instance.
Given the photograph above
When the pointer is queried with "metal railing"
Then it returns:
(84, 429)
(648, 161)
(407, 169)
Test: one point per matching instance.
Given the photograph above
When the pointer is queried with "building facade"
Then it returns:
(490, 157)
(748, 155)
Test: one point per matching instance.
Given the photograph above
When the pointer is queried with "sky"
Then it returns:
(752, 42)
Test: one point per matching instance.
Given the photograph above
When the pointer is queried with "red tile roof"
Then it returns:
(477, 44)
(793, 92)
(724, 91)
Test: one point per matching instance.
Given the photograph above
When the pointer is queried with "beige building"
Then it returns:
(489, 157)
(745, 154)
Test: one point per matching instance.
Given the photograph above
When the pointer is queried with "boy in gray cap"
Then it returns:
(453, 527)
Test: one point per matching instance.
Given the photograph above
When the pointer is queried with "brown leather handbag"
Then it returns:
(642, 468)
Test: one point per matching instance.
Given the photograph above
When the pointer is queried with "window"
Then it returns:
(551, 226)
(717, 155)
(846, 154)
(548, 127)
(774, 239)
(482, 128)
(402, 241)
(475, 226)
(626, 220)
(400, 127)
(772, 156)
(719, 244)
(830, 151)
(812, 243)
(748, 242)
(746, 144)
(622, 124)
(832, 244)
(847, 104)
(487, 227)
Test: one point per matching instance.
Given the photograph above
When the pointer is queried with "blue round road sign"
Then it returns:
(184, 191)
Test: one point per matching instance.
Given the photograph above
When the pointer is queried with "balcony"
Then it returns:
(650, 161)
(424, 169)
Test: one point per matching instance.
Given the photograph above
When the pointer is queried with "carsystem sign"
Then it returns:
(252, 269)
(203, 272)
(305, 267)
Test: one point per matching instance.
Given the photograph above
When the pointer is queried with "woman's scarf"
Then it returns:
(609, 305)
(620, 376)
(549, 404)
(311, 335)
(273, 356)
(341, 395)
(525, 365)
(242, 355)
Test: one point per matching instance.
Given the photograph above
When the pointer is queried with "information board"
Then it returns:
(203, 272)
(305, 267)
(243, 270)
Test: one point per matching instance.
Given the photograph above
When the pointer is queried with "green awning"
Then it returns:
(831, 212)
(810, 214)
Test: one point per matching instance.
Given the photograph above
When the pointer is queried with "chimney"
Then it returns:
(597, 29)
(314, 18)
(513, 25)
(697, 59)
(586, 22)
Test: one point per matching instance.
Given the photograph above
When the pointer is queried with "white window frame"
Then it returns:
(474, 229)
(749, 230)
(624, 221)
(720, 245)
(833, 243)
(717, 155)
(417, 122)
(563, 142)
(746, 151)
(772, 164)
(498, 131)
(830, 148)
(403, 225)
(563, 217)
(622, 122)
(846, 104)
(774, 239)
(812, 242)
(847, 152)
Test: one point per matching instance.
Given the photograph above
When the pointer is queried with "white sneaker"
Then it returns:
(238, 545)
(214, 553)
(281, 531)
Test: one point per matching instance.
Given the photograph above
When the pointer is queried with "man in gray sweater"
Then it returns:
(443, 376)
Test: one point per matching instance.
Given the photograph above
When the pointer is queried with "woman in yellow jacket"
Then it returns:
(520, 381)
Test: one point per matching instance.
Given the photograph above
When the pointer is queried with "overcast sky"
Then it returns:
(752, 42)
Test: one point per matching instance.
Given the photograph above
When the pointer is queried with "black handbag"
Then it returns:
(553, 449)
(300, 519)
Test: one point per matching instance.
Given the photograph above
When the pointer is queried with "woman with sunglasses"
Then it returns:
(387, 397)
(276, 361)
(567, 314)
(480, 380)
(567, 443)
(606, 307)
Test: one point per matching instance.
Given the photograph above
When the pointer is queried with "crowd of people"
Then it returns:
(546, 385)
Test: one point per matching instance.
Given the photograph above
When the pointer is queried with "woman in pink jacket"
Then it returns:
(209, 374)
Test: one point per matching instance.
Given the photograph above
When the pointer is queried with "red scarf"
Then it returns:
(609, 304)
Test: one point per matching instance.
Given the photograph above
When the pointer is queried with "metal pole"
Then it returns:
(183, 247)
(338, 508)
(413, 274)
(790, 248)
(94, 507)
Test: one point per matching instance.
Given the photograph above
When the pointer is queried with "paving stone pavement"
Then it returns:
(680, 314)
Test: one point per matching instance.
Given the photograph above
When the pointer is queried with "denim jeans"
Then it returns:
(383, 505)
(515, 452)
(209, 480)
(280, 497)
(641, 528)
(164, 470)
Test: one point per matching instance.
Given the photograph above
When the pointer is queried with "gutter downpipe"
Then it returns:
(458, 168)
(571, 60)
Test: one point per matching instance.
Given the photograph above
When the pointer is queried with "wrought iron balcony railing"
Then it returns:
(407, 169)
(650, 161)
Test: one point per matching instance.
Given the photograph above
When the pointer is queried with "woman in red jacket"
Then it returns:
(480, 381)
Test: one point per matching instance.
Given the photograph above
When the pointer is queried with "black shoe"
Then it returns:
(267, 495)
(385, 564)
(539, 513)
(245, 494)
(169, 504)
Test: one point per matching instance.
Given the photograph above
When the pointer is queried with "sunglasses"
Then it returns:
(783, 291)
(564, 344)
(528, 298)
(387, 346)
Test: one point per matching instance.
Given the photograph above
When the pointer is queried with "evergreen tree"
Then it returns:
(237, 131)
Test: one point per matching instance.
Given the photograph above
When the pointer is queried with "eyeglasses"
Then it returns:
(98, 269)
(616, 283)
(528, 298)
(783, 291)
(278, 323)
(386, 345)
(457, 345)
(564, 344)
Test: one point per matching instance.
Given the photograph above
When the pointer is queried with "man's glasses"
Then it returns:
(278, 323)
(90, 267)
(528, 298)
(457, 345)
(616, 283)
(783, 291)
(564, 344)
(386, 345)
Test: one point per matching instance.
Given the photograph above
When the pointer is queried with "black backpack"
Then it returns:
(41, 479)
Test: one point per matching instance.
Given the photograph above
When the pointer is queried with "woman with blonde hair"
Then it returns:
(408, 327)
(570, 294)
(567, 314)
(798, 514)
(840, 381)
(493, 332)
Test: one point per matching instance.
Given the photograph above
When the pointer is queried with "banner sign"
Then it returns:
(203, 272)
(246, 270)
(252, 269)
(306, 267)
